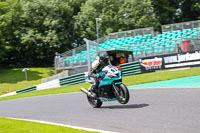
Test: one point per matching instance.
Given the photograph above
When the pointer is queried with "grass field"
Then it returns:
(14, 79)
(20, 126)
(160, 76)
(127, 80)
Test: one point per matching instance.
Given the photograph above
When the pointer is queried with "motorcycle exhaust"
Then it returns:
(86, 92)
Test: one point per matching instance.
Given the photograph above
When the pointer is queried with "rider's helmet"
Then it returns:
(104, 58)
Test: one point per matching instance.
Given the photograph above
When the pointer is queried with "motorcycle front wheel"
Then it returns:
(123, 92)
(95, 103)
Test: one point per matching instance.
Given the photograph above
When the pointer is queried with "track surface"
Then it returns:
(164, 110)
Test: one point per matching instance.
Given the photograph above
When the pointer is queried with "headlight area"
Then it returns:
(112, 76)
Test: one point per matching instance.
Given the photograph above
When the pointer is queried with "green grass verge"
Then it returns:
(20, 126)
(14, 79)
(160, 76)
(127, 80)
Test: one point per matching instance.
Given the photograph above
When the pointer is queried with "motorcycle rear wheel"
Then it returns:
(95, 103)
(123, 96)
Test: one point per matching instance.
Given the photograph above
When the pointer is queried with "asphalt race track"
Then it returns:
(163, 110)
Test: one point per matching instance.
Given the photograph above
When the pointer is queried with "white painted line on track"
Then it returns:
(58, 124)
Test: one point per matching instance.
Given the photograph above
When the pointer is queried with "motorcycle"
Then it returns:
(110, 88)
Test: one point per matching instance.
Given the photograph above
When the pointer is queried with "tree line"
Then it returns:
(31, 31)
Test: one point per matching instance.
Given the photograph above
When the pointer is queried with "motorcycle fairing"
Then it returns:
(109, 80)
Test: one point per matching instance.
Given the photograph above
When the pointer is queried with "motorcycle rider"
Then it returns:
(97, 66)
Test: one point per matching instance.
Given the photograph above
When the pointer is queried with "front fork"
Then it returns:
(116, 89)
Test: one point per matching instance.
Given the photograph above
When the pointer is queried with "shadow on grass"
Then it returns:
(16, 75)
(130, 106)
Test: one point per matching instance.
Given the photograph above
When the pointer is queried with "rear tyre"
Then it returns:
(123, 96)
(95, 103)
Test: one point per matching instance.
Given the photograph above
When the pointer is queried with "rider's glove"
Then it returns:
(97, 76)
(103, 75)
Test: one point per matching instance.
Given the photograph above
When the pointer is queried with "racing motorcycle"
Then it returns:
(110, 88)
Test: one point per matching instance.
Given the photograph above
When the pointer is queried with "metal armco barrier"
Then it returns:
(74, 79)
(47, 85)
(131, 68)
(32, 88)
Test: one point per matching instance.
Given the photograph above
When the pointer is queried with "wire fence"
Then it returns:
(181, 26)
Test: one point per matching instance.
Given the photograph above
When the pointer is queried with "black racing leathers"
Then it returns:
(94, 74)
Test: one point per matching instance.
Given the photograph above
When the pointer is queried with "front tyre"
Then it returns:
(123, 92)
(95, 103)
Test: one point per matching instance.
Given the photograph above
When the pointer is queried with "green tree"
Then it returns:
(165, 10)
(4, 8)
(174, 11)
(9, 12)
(190, 10)
(135, 14)
(116, 16)
(76, 7)
(43, 30)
